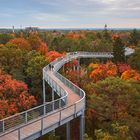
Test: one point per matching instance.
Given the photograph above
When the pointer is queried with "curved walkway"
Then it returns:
(40, 120)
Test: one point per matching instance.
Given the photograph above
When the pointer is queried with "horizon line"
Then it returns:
(87, 28)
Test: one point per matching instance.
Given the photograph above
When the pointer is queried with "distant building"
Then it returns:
(31, 29)
(56, 33)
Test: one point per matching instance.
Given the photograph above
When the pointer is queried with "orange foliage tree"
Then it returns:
(43, 48)
(101, 71)
(130, 75)
(14, 96)
(52, 55)
(21, 43)
(75, 35)
(37, 44)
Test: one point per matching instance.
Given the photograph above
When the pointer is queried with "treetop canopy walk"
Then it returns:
(35, 122)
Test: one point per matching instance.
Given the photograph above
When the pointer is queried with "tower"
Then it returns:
(13, 29)
(105, 27)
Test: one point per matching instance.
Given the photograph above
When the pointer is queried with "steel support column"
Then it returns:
(82, 126)
(78, 66)
(53, 99)
(78, 69)
(68, 130)
(53, 132)
(74, 68)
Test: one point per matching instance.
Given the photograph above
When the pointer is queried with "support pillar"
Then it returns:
(68, 130)
(74, 68)
(44, 96)
(53, 132)
(78, 69)
(78, 66)
(82, 126)
(52, 99)
(63, 67)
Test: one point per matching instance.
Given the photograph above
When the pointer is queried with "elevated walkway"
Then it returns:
(35, 122)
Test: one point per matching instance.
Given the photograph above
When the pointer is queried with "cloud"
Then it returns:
(70, 12)
(50, 17)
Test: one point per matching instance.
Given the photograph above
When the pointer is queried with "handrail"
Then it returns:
(31, 115)
(24, 116)
(38, 119)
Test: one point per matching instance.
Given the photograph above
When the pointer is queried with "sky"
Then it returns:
(70, 13)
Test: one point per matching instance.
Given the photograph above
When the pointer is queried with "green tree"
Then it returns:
(106, 33)
(34, 40)
(134, 37)
(12, 61)
(115, 100)
(49, 136)
(134, 60)
(102, 45)
(86, 137)
(4, 38)
(35, 64)
(118, 50)
(118, 132)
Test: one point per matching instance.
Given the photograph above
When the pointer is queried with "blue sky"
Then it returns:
(70, 13)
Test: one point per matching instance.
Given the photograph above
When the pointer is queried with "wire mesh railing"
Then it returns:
(34, 113)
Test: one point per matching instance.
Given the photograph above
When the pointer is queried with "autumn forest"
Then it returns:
(112, 86)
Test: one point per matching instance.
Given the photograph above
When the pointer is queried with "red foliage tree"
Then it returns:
(71, 64)
(123, 67)
(14, 96)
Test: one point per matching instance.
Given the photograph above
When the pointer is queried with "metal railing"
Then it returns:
(36, 112)
(59, 106)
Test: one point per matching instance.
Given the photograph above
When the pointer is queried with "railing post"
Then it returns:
(60, 115)
(81, 93)
(66, 99)
(60, 103)
(42, 126)
(19, 138)
(3, 128)
(60, 91)
(26, 117)
(75, 110)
